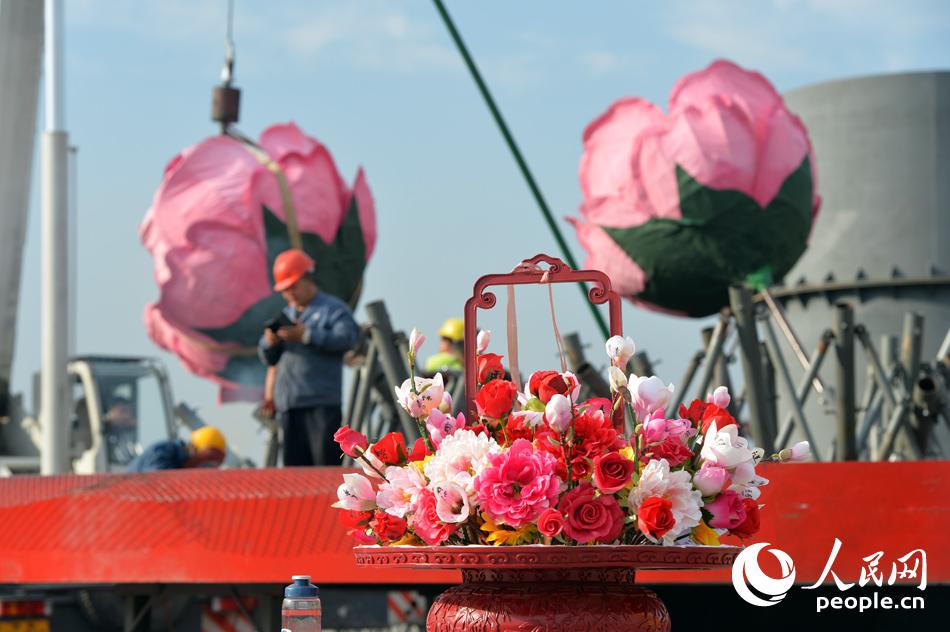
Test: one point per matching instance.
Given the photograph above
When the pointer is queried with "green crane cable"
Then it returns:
(522, 165)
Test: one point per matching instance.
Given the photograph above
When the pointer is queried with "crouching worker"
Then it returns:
(205, 448)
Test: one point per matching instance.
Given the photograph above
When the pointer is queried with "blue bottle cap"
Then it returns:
(301, 587)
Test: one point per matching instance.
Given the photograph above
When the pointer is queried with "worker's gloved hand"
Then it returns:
(267, 409)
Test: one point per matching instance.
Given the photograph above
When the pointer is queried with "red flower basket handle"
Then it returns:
(530, 272)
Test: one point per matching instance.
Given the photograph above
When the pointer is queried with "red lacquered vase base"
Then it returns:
(548, 588)
(551, 599)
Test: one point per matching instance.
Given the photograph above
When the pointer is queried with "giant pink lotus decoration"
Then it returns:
(224, 210)
(722, 189)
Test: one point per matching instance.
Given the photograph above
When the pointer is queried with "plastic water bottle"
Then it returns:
(301, 611)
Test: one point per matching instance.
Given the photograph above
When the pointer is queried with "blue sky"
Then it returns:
(381, 84)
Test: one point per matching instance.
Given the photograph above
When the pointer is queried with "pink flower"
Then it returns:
(588, 517)
(710, 479)
(441, 425)
(658, 430)
(728, 511)
(426, 522)
(649, 394)
(352, 443)
(518, 485)
(356, 493)
(727, 128)
(452, 503)
(415, 341)
(558, 413)
(400, 491)
(209, 242)
(427, 396)
(550, 523)
(798, 453)
(481, 342)
(720, 397)
(361, 536)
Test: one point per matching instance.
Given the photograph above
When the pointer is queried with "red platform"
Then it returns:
(262, 526)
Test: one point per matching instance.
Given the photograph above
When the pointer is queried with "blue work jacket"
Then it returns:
(310, 373)
(164, 455)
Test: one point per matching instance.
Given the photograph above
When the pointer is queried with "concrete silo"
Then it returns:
(882, 238)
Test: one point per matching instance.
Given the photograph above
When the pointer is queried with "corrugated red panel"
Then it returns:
(258, 526)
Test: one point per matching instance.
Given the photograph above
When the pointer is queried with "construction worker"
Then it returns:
(307, 350)
(449, 357)
(206, 448)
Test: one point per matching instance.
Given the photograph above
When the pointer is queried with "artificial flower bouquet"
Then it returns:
(537, 466)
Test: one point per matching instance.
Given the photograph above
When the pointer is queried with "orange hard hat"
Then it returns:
(289, 267)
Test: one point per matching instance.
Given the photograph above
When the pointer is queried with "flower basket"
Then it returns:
(549, 504)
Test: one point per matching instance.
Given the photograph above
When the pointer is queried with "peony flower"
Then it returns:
(441, 425)
(620, 350)
(558, 413)
(352, 443)
(672, 450)
(657, 480)
(218, 218)
(518, 485)
(481, 342)
(426, 522)
(550, 523)
(428, 395)
(649, 394)
(400, 491)
(589, 517)
(356, 493)
(710, 479)
(720, 397)
(727, 509)
(729, 153)
(452, 503)
(460, 458)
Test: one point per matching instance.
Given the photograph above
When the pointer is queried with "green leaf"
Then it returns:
(723, 237)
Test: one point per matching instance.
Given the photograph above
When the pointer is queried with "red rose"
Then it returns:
(695, 411)
(672, 449)
(495, 399)
(350, 440)
(426, 522)
(580, 468)
(391, 449)
(750, 526)
(550, 522)
(545, 384)
(655, 517)
(388, 527)
(351, 518)
(721, 416)
(612, 471)
(588, 517)
(489, 367)
(419, 450)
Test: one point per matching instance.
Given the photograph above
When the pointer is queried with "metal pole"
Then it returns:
(685, 382)
(846, 449)
(72, 250)
(713, 352)
(911, 343)
(771, 393)
(522, 164)
(641, 365)
(740, 297)
(55, 228)
(778, 312)
(804, 386)
(393, 366)
(781, 369)
(587, 374)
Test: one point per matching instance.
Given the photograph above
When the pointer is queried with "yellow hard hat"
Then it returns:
(208, 437)
(453, 329)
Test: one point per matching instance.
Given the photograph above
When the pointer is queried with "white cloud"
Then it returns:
(600, 62)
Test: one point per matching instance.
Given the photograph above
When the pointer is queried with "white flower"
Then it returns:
(401, 490)
(798, 453)
(429, 395)
(452, 503)
(356, 493)
(481, 342)
(460, 458)
(558, 413)
(727, 449)
(649, 395)
(620, 350)
(676, 487)
(617, 379)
